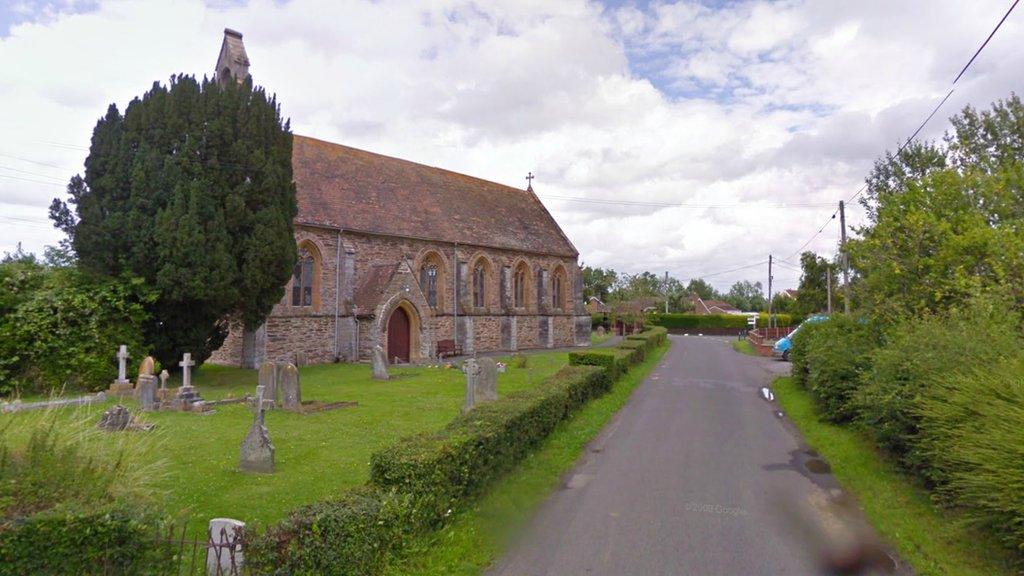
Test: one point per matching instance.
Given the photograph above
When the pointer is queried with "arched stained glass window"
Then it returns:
(479, 276)
(302, 279)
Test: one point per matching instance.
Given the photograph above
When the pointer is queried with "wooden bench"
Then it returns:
(446, 348)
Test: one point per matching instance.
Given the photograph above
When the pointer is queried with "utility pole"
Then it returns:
(828, 280)
(846, 259)
(666, 291)
(769, 290)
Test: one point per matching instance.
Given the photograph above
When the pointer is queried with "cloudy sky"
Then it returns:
(689, 137)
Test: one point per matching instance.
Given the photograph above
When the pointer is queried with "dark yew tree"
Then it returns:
(190, 189)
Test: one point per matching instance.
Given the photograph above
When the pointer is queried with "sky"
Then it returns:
(690, 137)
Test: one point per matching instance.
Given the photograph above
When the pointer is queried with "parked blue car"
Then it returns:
(784, 345)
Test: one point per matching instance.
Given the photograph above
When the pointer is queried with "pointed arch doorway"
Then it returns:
(399, 335)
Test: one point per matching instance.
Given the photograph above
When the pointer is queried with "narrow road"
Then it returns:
(698, 474)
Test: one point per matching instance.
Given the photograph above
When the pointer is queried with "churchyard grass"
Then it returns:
(744, 347)
(318, 455)
(477, 535)
(596, 338)
(933, 541)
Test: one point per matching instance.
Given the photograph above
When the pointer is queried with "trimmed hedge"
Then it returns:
(415, 484)
(114, 541)
(711, 321)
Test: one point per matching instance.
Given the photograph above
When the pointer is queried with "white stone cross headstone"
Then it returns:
(122, 364)
(186, 363)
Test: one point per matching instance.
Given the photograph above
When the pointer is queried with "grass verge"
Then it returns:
(932, 540)
(744, 347)
(477, 535)
(596, 338)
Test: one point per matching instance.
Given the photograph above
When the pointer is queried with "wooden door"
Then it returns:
(398, 336)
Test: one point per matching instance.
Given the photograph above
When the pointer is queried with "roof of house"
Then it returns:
(343, 187)
(716, 306)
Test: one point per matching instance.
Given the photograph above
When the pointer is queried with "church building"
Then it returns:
(414, 259)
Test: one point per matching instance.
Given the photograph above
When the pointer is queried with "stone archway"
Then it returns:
(402, 333)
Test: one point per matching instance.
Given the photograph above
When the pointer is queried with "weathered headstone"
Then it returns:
(267, 378)
(380, 364)
(292, 396)
(122, 364)
(163, 394)
(147, 366)
(472, 371)
(224, 554)
(257, 453)
(600, 331)
(487, 381)
(188, 397)
(115, 419)
(122, 385)
(146, 389)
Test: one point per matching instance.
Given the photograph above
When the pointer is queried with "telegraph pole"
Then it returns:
(769, 290)
(828, 280)
(666, 291)
(846, 259)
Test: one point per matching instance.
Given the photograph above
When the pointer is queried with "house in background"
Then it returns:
(596, 306)
(702, 306)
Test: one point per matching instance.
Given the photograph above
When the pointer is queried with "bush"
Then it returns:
(831, 359)
(917, 354)
(971, 432)
(63, 332)
(440, 468)
(352, 535)
(714, 321)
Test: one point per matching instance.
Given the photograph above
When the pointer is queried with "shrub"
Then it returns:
(440, 468)
(836, 354)
(352, 535)
(714, 321)
(918, 353)
(65, 330)
(971, 431)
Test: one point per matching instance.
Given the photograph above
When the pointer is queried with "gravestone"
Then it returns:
(146, 389)
(122, 385)
(380, 364)
(472, 371)
(268, 379)
(147, 366)
(292, 396)
(188, 397)
(257, 453)
(224, 554)
(115, 419)
(600, 331)
(487, 381)
(163, 394)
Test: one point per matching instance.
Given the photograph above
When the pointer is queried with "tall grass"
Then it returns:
(50, 463)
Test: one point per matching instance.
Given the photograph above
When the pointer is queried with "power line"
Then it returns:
(31, 180)
(30, 173)
(37, 162)
(683, 204)
(985, 43)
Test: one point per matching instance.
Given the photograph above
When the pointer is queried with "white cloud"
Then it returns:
(744, 107)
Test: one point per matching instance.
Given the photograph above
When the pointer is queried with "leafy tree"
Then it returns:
(945, 234)
(701, 288)
(598, 282)
(191, 190)
(812, 294)
(747, 296)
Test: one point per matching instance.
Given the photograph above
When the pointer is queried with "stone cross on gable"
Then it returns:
(186, 363)
(122, 363)
(529, 180)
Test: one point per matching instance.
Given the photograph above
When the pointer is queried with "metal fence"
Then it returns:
(218, 554)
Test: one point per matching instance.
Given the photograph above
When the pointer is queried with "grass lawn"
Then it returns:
(477, 535)
(318, 455)
(597, 339)
(744, 347)
(932, 540)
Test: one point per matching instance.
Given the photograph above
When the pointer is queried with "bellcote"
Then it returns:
(232, 62)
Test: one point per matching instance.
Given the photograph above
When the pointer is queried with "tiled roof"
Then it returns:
(371, 286)
(345, 187)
